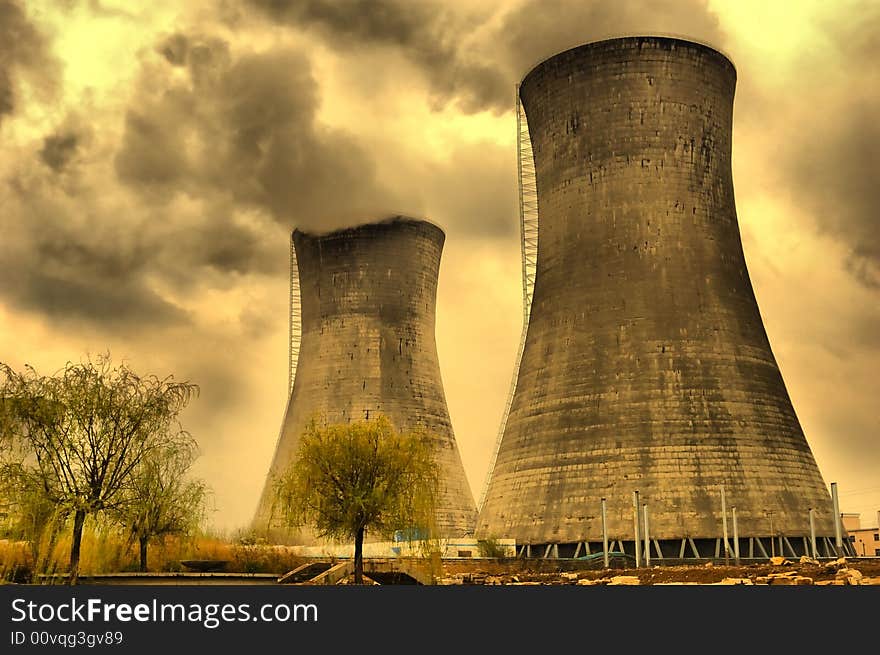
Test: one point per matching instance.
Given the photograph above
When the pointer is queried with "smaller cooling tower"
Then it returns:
(367, 298)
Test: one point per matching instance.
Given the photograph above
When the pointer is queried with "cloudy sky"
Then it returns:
(156, 155)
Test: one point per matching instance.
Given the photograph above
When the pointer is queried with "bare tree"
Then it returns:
(160, 499)
(85, 430)
(353, 477)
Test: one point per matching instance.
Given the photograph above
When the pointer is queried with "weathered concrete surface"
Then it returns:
(419, 570)
(333, 575)
(304, 572)
(368, 297)
(646, 364)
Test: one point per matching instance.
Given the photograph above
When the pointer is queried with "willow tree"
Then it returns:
(32, 517)
(85, 430)
(350, 478)
(160, 497)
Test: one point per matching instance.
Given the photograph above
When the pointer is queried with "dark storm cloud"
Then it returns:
(213, 169)
(59, 149)
(117, 303)
(428, 34)
(7, 100)
(467, 59)
(541, 28)
(245, 128)
(54, 260)
(218, 242)
(85, 254)
(152, 152)
(837, 175)
(174, 49)
(475, 191)
(24, 57)
(65, 266)
(831, 164)
(398, 22)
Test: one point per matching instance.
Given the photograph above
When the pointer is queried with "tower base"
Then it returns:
(690, 549)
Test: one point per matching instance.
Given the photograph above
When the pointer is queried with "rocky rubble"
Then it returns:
(778, 572)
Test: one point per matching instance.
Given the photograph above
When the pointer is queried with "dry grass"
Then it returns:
(105, 550)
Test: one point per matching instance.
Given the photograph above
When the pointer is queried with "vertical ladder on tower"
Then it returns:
(295, 329)
(528, 231)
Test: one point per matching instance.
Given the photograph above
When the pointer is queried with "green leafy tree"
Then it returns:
(349, 478)
(160, 499)
(84, 431)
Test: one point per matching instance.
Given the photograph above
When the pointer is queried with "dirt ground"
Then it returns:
(824, 572)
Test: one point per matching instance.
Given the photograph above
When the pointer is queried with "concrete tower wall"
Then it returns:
(368, 298)
(646, 364)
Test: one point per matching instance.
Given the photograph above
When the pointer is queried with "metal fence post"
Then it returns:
(636, 539)
(838, 537)
(724, 527)
(735, 535)
(604, 535)
(813, 533)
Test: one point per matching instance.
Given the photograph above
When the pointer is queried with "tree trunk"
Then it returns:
(54, 530)
(359, 556)
(144, 540)
(78, 519)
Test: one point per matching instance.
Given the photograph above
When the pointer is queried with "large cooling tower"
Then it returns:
(367, 297)
(646, 365)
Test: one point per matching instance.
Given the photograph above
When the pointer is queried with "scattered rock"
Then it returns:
(708, 565)
(790, 578)
(349, 580)
(675, 584)
(849, 576)
(803, 571)
(456, 579)
(836, 564)
(779, 561)
(624, 580)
